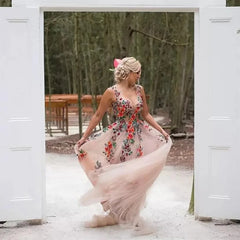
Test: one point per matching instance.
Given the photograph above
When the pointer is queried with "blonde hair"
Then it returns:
(127, 65)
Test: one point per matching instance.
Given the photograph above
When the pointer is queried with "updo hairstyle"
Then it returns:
(127, 65)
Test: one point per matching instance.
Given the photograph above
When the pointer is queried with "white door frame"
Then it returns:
(22, 147)
(197, 98)
(81, 7)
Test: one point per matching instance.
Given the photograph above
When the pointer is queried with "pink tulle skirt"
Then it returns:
(121, 183)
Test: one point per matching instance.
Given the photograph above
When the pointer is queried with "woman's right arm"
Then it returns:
(105, 103)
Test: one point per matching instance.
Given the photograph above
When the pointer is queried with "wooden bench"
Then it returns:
(56, 116)
(64, 111)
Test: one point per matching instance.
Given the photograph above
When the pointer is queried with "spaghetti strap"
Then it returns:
(116, 92)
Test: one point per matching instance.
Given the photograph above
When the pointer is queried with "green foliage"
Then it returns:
(232, 3)
(5, 3)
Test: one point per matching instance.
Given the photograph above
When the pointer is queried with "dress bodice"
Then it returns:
(124, 108)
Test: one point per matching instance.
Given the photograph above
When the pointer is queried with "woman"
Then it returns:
(124, 159)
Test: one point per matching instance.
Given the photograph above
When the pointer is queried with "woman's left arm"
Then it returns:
(148, 117)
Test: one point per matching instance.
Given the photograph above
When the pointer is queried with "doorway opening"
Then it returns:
(79, 53)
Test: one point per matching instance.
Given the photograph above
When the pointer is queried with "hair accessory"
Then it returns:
(116, 62)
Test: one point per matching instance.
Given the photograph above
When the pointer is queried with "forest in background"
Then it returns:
(80, 48)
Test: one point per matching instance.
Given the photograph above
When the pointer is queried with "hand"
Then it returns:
(81, 141)
(166, 136)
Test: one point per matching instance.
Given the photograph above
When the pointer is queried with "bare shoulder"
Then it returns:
(109, 94)
(110, 91)
(111, 88)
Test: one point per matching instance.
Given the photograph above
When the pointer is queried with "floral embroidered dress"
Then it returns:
(125, 158)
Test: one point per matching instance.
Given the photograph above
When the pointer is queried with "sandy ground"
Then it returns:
(166, 209)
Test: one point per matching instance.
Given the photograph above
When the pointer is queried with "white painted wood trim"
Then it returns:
(123, 5)
(197, 99)
(42, 109)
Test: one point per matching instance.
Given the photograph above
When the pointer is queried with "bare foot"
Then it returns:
(100, 221)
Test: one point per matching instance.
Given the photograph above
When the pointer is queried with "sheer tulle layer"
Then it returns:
(121, 187)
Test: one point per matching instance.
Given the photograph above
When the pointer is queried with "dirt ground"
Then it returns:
(181, 154)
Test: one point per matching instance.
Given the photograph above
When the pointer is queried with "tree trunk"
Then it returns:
(66, 66)
(180, 77)
(125, 34)
(49, 127)
(152, 74)
(156, 71)
(76, 71)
